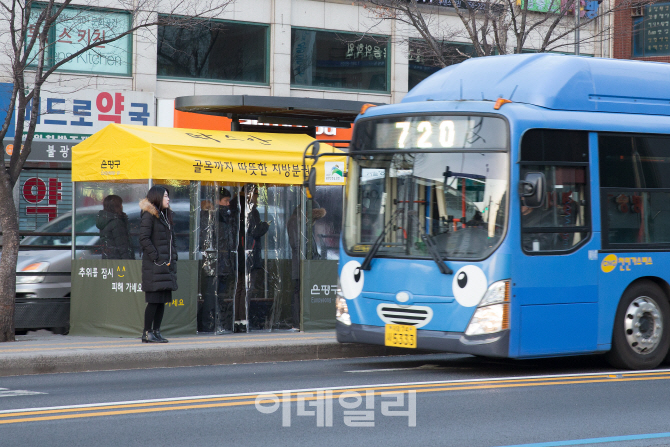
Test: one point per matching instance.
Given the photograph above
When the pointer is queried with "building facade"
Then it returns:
(642, 31)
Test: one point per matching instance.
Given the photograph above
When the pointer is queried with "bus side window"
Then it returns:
(634, 182)
(561, 224)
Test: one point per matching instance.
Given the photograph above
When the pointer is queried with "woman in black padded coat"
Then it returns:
(159, 260)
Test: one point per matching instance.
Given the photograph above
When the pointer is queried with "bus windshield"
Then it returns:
(457, 198)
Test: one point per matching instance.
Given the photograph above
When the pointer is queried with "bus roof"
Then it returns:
(553, 81)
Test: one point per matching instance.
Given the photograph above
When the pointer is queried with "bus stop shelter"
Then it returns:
(200, 168)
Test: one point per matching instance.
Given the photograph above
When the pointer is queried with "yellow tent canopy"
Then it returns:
(129, 152)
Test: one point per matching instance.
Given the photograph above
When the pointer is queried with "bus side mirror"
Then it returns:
(532, 189)
(310, 184)
(315, 149)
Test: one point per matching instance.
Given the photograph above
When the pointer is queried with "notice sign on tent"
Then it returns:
(127, 152)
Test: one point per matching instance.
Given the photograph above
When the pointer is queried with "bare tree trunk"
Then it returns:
(10, 253)
(29, 38)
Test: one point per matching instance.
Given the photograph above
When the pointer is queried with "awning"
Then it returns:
(127, 152)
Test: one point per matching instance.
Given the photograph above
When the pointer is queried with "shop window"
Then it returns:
(422, 63)
(77, 28)
(651, 31)
(222, 51)
(325, 59)
(635, 190)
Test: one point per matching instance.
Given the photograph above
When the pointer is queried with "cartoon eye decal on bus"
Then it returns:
(469, 285)
(351, 280)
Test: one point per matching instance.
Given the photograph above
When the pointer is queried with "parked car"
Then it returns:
(43, 300)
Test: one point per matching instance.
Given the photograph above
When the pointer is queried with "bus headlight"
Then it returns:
(492, 314)
(35, 267)
(341, 308)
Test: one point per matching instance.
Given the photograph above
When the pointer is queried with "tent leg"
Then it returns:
(235, 125)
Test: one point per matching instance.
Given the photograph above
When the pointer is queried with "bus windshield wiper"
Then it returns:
(430, 245)
(378, 242)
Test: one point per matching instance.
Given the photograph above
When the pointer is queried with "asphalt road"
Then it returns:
(432, 400)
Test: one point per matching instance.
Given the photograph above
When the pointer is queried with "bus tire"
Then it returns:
(641, 334)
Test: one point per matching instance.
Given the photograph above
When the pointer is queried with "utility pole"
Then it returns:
(577, 11)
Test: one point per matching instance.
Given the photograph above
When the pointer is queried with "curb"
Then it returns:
(144, 357)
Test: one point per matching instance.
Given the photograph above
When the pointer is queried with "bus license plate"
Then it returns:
(400, 335)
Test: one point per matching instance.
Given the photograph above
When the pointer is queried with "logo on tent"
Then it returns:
(334, 171)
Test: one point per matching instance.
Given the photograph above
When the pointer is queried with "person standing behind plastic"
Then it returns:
(251, 230)
(293, 229)
(227, 239)
(113, 225)
(159, 260)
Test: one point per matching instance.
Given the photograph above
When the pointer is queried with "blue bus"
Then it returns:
(513, 206)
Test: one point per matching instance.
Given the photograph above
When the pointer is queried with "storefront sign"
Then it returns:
(78, 28)
(74, 116)
(656, 29)
(462, 4)
(187, 120)
(44, 150)
(5, 99)
(42, 195)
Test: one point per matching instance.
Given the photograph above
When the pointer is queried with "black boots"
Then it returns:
(149, 337)
(159, 337)
(153, 337)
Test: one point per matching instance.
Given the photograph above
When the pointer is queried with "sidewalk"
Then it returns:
(42, 352)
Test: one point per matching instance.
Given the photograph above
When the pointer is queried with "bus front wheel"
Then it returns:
(641, 335)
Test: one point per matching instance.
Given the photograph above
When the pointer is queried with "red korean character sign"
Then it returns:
(42, 196)
(110, 106)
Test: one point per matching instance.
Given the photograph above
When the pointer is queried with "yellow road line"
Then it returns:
(456, 385)
(148, 407)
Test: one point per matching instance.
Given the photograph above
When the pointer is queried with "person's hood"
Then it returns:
(318, 213)
(105, 217)
(147, 206)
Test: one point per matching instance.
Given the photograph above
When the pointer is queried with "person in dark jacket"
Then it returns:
(251, 230)
(159, 260)
(227, 238)
(227, 235)
(256, 229)
(218, 238)
(293, 229)
(113, 225)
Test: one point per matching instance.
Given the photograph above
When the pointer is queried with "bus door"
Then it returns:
(555, 268)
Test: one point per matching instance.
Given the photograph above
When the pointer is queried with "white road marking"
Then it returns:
(6, 392)
(397, 369)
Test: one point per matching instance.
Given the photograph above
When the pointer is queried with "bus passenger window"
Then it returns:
(561, 223)
(635, 183)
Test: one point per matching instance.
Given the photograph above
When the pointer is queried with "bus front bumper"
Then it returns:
(490, 345)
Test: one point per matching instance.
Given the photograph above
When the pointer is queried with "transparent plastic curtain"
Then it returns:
(249, 260)
(216, 209)
(327, 224)
(269, 259)
(89, 198)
